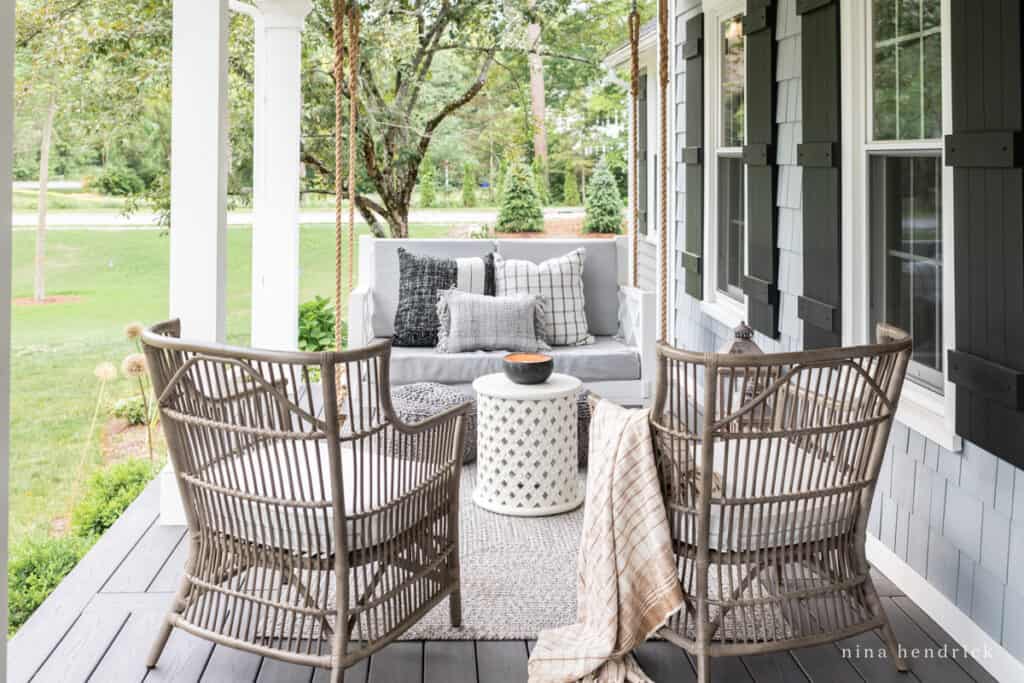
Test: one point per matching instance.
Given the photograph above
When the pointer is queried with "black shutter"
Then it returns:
(642, 164)
(985, 151)
(693, 156)
(819, 307)
(761, 281)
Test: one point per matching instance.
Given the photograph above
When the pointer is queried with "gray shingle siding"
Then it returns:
(956, 518)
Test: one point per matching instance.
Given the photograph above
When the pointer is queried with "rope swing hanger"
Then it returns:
(634, 88)
(342, 10)
(663, 168)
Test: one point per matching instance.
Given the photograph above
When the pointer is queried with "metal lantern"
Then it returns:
(744, 389)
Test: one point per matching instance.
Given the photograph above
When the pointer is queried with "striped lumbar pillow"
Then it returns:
(559, 282)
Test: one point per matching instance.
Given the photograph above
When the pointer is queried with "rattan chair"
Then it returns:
(768, 466)
(320, 527)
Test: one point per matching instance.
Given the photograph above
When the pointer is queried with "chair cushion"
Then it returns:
(306, 476)
(752, 527)
(386, 272)
(600, 276)
(608, 359)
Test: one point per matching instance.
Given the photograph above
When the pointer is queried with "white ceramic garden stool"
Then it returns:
(526, 446)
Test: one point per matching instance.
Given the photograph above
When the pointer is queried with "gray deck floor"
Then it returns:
(100, 622)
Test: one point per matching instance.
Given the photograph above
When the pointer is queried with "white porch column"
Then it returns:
(199, 167)
(6, 149)
(277, 130)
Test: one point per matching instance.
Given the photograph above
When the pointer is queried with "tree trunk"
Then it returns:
(39, 286)
(538, 99)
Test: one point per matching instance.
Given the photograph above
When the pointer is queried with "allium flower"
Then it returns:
(133, 330)
(105, 372)
(134, 365)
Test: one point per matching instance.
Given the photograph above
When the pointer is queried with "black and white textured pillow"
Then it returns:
(420, 280)
(472, 322)
(559, 281)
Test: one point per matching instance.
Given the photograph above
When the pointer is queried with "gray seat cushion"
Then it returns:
(606, 360)
(600, 275)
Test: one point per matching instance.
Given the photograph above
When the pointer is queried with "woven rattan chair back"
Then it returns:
(768, 466)
(320, 527)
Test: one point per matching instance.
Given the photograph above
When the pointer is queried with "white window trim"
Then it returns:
(921, 409)
(718, 305)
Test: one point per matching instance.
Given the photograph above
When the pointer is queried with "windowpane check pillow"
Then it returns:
(471, 322)
(420, 280)
(559, 282)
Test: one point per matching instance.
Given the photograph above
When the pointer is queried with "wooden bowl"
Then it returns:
(528, 368)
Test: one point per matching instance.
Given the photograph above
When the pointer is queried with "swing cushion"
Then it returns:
(421, 278)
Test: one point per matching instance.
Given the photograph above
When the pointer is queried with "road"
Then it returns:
(112, 220)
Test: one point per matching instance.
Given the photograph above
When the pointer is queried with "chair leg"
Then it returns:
(455, 607)
(161, 641)
(177, 606)
(703, 669)
(337, 674)
(893, 646)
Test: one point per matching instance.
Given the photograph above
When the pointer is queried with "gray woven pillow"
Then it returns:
(471, 322)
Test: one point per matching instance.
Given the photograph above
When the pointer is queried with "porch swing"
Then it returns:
(320, 526)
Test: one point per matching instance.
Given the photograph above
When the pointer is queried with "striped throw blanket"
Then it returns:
(628, 586)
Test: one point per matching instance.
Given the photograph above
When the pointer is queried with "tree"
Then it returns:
(540, 176)
(520, 206)
(428, 185)
(571, 191)
(81, 75)
(604, 206)
(538, 95)
(421, 62)
(468, 186)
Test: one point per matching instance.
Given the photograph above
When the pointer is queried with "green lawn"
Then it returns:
(121, 277)
(67, 200)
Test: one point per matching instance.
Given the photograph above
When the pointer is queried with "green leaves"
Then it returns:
(316, 325)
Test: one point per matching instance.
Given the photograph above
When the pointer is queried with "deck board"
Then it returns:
(101, 621)
(145, 560)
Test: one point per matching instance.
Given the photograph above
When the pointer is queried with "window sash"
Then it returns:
(893, 261)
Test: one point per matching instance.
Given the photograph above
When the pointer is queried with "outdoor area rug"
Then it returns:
(519, 578)
(518, 574)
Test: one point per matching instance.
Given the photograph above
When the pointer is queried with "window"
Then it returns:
(905, 178)
(897, 195)
(907, 69)
(906, 256)
(728, 173)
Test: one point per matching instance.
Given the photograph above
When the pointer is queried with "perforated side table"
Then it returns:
(526, 446)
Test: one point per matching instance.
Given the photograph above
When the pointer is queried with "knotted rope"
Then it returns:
(663, 170)
(634, 87)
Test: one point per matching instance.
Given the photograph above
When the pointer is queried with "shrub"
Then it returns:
(428, 185)
(604, 207)
(108, 493)
(468, 186)
(36, 567)
(520, 206)
(316, 325)
(133, 410)
(118, 181)
(571, 189)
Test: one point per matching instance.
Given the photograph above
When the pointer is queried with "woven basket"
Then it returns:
(418, 402)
